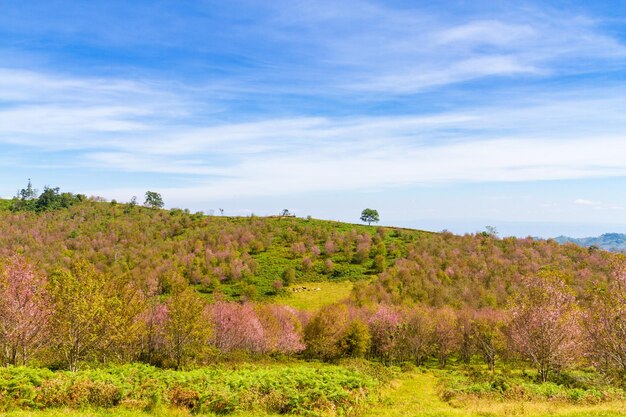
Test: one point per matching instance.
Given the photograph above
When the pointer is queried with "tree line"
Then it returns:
(78, 315)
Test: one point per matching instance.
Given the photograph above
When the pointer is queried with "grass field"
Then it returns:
(415, 395)
(312, 299)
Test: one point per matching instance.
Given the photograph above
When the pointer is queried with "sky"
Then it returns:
(441, 115)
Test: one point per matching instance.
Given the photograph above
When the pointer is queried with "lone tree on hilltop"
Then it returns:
(369, 215)
(153, 200)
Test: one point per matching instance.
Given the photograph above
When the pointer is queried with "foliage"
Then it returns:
(177, 289)
(369, 215)
(280, 389)
(50, 199)
(24, 311)
(81, 312)
(227, 256)
(153, 200)
(604, 324)
(186, 326)
(544, 323)
(488, 334)
(578, 388)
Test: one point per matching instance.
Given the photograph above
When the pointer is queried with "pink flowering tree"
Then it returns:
(153, 337)
(24, 311)
(237, 327)
(385, 327)
(604, 323)
(544, 323)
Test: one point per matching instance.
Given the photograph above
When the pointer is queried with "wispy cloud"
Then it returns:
(597, 205)
(546, 137)
(372, 48)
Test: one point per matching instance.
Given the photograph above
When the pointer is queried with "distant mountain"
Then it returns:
(615, 242)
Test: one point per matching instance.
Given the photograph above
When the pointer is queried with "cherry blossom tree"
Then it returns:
(604, 323)
(24, 311)
(237, 327)
(445, 335)
(385, 327)
(544, 323)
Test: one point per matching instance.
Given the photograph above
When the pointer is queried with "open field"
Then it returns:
(316, 294)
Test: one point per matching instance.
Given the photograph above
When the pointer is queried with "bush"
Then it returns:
(276, 389)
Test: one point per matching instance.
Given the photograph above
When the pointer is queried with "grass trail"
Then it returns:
(415, 395)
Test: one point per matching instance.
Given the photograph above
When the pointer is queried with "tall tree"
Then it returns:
(605, 323)
(153, 200)
(24, 311)
(488, 334)
(544, 323)
(369, 216)
(81, 312)
(186, 327)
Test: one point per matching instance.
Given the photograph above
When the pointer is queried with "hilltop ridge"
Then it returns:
(615, 242)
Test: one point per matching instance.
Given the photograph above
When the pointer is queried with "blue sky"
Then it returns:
(442, 115)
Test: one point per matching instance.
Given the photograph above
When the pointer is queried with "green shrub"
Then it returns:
(295, 388)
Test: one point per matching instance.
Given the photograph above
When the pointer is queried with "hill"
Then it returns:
(615, 242)
(97, 284)
(257, 258)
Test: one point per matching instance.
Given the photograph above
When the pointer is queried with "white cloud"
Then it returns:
(597, 205)
(583, 202)
(541, 137)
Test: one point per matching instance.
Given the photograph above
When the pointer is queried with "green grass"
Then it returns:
(312, 299)
(417, 395)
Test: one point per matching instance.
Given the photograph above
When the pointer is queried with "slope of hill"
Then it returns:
(258, 258)
(609, 241)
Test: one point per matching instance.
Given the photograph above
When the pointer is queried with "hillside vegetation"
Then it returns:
(255, 258)
(112, 295)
